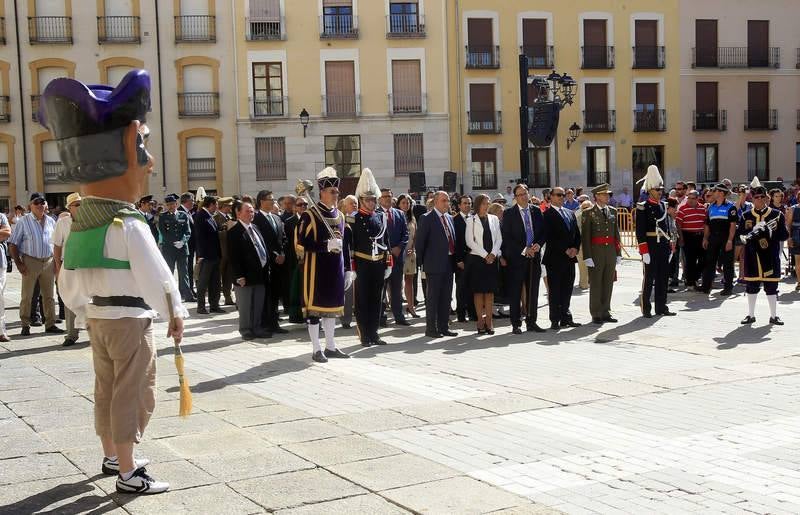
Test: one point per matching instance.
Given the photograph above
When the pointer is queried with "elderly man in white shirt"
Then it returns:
(60, 235)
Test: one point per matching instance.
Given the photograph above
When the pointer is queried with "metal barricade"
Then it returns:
(627, 229)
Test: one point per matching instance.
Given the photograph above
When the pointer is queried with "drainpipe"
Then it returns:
(23, 123)
(459, 94)
(161, 102)
(236, 98)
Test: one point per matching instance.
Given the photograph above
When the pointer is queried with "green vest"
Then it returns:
(86, 248)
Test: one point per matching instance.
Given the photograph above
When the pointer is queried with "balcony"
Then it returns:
(118, 29)
(484, 122)
(35, 108)
(51, 171)
(735, 57)
(3, 173)
(195, 29)
(50, 30)
(269, 107)
(648, 57)
(405, 26)
(201, 169)
(341, 106)
(265, 30)
(5, 110)
(407, 104)
(600, 121)
(198, 105)
(485, 181)
(2, 30)
(482, 57)
(761, 119)
(597, 57)
(338, 26)
(653, 120)
(710, 120)
(539, 57)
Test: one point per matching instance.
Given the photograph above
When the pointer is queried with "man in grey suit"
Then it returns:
(436, 246)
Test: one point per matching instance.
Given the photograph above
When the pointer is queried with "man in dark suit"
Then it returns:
(209, 254)
(397, 229)
(436, 247)
(563, 242)
(524, 234)
(464, 303)
(271, 228)
(248, 260)
(188, 207)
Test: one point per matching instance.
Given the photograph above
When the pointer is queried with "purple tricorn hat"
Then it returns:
(88, 123)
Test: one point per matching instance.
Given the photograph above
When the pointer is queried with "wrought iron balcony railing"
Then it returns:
(405, 26)
(484, 122)
(710, 120)
(269, 107)
(5, 109)
(648, 57)
(198, 105)
(539, 56)
(265, 30)
(407, 104)
(600, 121)
(652, 120)
(118, 29)
(486, 181)
(201, 168)
(195, 29)
(50, 30)
(761, 119)
(481, 56)
(736, 57)
(338, 26)
(597, 57)
(3, 173)
(342, 106)
(51, 171)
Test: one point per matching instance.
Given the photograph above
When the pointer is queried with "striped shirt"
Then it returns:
(691, 219)
(31, 238)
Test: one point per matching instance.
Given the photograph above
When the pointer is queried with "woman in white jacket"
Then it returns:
(483, 239)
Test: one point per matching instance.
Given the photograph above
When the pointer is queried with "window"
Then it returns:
(647, 116)
(406, 87)
(707, 163)
(539, 167)
(647, 53)
(597, 117)
(484, 168)
(344, 154)
(757, 161)
(596, 52)
(270, 158)
(758, 43)
(408, 154)
(797, 161)
(483, 119)
(338, 19)
(705, 37)
(534, 43)
(265, 20)
(404, 18)
(267, 89)
(340, 89)
(644, 156)
(481, 50)
(759, 115)
(597, 161)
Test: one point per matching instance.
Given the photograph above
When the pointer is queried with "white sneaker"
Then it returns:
(141, 483)
(111, 467)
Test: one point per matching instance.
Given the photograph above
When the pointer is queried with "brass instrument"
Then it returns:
(303, 189)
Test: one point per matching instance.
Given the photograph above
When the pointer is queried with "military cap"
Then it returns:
(225, 201)
(601, 188)
(171, 198)
(146, 198)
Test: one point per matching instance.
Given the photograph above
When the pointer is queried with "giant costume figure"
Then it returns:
(114, 278)
(321, 234)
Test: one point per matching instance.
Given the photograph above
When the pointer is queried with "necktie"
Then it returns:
(566, 218)
(389, 218)
(451, 246)
(526, 216)
(262, 253)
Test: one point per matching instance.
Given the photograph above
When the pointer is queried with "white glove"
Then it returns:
(589, 262)
(387, 273)
(335, 245)
(646, 258)
(349, 277)
(619, 260)
(759, 226)
(178, 244)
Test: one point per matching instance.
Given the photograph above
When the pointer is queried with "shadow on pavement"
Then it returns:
(252, 375)
(743, 335)
(15, 353)
(38, 503)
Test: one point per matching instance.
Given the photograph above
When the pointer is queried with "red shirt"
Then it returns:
(691, 219)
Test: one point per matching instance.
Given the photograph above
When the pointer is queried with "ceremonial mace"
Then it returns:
(303, 189)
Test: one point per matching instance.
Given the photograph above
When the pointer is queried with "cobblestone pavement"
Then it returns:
(693, 413)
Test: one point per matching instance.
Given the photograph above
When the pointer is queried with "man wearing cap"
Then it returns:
(60, 235)
(653, 236)
(209, 253)
(187, 205)
(223, 219)
(600, 242)
(175, 230)
(718, 234)
(144, 209)
(114, 278)
(31, 248)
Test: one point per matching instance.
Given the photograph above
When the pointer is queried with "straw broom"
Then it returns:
(186, 395)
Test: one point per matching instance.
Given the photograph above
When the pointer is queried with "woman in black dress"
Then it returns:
(483, 239)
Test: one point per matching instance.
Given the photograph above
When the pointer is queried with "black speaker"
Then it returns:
(449, 182)
(416, 182)
(543, 123)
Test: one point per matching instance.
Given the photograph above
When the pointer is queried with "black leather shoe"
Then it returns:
(481, 330)
(516, 330)
(319, 357)
(535, 328)
(490, 331)
(336, 354)
(229, 302)
(647, 314)
(217, 309)
(597, 321)
(377, 341)
(432, 335)
(202, 311)
(55, 330)
(345, 325)
(402, 322)
(611, 319)
(279, 330)
(69, 342)
(449, 333)
(26, 331)
(667, 313)
(366, 344)
(248, 336)
(775, 321)
(555, 326)
(571, 323)
(748, 320)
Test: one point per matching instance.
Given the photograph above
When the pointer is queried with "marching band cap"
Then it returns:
(327, 178)
(172, 197)
(601, 188)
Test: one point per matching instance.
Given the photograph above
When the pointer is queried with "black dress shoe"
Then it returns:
(69, 342)
(319, 357)
(448, 332)
(402, 322)
(430, 334)
(217, 309)
(748, 320)
(775, 321)
(55, 330)
(611, 319)
(667, 313)
(366, 344)
(377, 341)
(647, 314)
(26, 331)
(279, 330)
(248, 336)
(570, 323)
(516, 330)
(481, 330)
(229, 302)
(345, 325)
(598, 321)
(535, 328)
(202, 311)
(490, 331)
(555, 326)
(336, 354)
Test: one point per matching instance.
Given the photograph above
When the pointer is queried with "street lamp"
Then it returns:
(574, 132)
(304, 120)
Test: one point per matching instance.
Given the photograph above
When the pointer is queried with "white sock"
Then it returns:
(773, 305)
(751, 304)
(329, 324)
(313, 333)
(127, 475)
(111, 458)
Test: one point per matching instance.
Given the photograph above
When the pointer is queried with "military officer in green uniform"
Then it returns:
(174, 229)
(600, 242)
(224, 220)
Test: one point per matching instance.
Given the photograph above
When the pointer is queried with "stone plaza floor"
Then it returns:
(692, 413)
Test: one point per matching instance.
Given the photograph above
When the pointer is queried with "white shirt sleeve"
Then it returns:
(60, 232)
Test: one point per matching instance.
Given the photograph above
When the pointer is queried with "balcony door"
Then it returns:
(757, 43)
(406, 86)
(706, 46)
(596, 107)
(646, 38)
(267, 89)
(534, 42)
(340, 88)
(595, 54)
(481, 107)
(707, 104)
(646, 106)
(758, 105)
